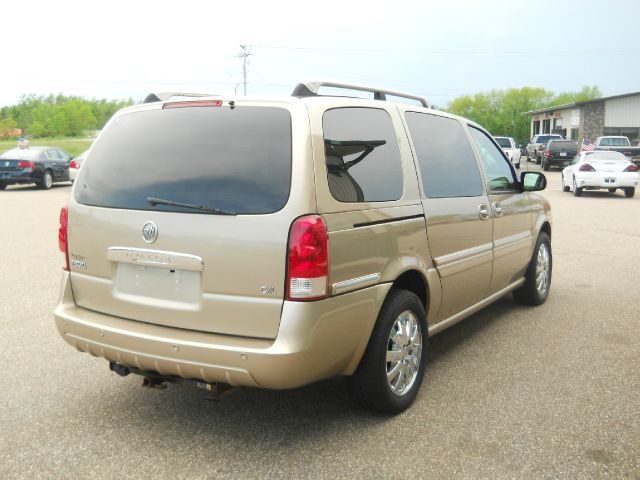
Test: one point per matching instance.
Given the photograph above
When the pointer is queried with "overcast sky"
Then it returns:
(441, 49)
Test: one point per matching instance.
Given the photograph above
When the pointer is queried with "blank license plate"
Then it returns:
(563, 154)
(159, 283)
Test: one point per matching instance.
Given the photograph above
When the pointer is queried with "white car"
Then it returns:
(511, 150)
(75, 164)
(601, 169)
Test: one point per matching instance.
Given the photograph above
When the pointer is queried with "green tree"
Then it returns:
(501, 112)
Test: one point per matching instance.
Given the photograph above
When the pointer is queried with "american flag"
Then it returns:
(587, 146)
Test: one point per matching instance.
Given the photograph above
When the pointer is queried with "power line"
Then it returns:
(452, 52)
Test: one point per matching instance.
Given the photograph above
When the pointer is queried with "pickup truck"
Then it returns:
(559, 153)
(619, 144)
(537, 145)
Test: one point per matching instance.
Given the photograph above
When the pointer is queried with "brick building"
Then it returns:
(616, 115)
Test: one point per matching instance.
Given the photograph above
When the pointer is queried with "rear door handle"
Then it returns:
(483, 211)
(498, 209)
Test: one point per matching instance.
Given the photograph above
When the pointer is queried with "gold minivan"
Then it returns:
(277, 241)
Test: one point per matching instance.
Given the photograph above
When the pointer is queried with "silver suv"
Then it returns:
(275, 242)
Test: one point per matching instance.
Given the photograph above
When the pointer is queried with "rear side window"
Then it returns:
(447, 163)
(362, 155)
(237, 160)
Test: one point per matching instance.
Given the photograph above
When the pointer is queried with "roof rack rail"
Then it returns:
(163, 96)
(310, 89)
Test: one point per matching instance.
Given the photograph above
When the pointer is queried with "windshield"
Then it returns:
(233, 159)
(21, 154)
(610, 156)
(503, 142)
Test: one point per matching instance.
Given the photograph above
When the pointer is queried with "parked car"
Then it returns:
(619, 144)
(535, 148)
(559, 153)
(601, 170)
(43, 166)
(75, 164)
(510, 149)
(241, 252)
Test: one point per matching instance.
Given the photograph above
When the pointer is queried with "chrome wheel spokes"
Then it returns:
(542, 269)
(404, 351)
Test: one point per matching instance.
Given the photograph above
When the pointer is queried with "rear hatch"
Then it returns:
(181, 218)
(563, 149)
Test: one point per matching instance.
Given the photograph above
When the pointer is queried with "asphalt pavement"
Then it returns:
(511, 392)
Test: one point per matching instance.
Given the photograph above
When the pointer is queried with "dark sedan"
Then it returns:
(40, 165)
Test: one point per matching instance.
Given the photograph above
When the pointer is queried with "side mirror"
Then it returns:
(533, 181)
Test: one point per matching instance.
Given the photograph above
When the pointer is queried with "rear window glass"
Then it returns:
(611, 156)
(614, 142)
(503, 142)
(562, 143)
(237, 160)
(546, 138)
(21, 154)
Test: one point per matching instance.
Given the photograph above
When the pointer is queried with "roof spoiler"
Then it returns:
(310, 89)
(164, 96)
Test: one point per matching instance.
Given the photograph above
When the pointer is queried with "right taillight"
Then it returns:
(62, 236)
(631, 168)
(73, 164)
(586, 168)
(308, 259)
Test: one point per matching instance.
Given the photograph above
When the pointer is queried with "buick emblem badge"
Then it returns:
(149, 232)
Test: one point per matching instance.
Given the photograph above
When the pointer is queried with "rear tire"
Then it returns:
(538, 160)
(545, 165)
(629, 192)
(612, 190)
(372, 385)
(537, 283)
(565, 188)
(47, 180)
(3, 186)
(576, 191)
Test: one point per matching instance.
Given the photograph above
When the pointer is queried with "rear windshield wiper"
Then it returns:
(153, 201)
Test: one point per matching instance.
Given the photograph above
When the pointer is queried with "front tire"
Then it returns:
(391, 370)
(629, 192)
(537, 283)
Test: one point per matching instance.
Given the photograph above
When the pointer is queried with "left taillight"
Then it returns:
(586, 168)
(62, 236)
(308, 259)
(631, 168)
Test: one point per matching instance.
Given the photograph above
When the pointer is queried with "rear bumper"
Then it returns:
(614, 180)
(316, 340)
(10, 178)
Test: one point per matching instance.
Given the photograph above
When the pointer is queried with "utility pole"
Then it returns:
(246, 51)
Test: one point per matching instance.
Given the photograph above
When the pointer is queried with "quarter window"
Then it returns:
(447, 164)
(500, 177)
(362, 155)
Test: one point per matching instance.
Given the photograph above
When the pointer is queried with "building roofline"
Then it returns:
(564, 106)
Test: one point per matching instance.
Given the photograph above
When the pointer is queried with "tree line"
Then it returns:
(501, 111)
(57, 115)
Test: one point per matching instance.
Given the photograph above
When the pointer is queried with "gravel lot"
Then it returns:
(512, 392)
